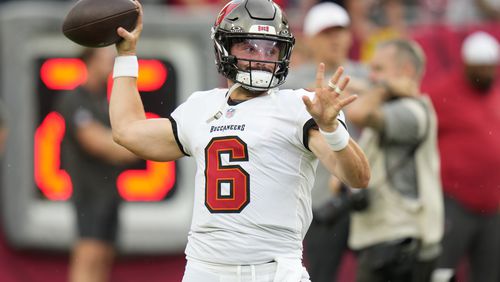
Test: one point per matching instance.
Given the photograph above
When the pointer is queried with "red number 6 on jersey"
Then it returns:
(227, 187)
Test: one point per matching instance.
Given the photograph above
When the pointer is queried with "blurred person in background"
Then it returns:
(472, 11)
(361, 24)
(467, 103)
(93, 161)
(397, 235)
(389, 21)
(327, 34)
(374, 21)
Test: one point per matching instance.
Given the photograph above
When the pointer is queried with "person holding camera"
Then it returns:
(396, 234)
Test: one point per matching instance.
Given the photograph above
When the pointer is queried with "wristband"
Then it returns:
(126, 66)
(337, 139)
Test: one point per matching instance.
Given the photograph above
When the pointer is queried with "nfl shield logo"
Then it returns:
(230, 112)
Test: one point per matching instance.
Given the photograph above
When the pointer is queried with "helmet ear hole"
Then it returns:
(232, 60)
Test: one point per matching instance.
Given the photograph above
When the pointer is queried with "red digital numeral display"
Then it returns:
(54, 182)
(150, 184)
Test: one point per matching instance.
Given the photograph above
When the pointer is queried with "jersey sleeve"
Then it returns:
(405, 121)
(177, 119)
(306, 122)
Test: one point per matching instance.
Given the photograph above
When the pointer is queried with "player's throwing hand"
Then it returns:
(328, 101)
(127, 47)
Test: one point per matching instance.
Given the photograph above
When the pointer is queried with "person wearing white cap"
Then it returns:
(327, 33)
(481, 55)
(467, 103)
(323, 16)
(328, 36)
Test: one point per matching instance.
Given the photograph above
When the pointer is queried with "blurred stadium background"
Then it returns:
(37, 63)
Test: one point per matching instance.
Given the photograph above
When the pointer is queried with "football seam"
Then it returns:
(101, 20)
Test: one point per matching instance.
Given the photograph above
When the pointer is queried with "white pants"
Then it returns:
(197, 271)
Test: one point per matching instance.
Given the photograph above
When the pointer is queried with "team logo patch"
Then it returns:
(263, 28)
(230, 112)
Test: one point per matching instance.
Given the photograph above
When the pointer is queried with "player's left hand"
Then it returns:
(328, 101)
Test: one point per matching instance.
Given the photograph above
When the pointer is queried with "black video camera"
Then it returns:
(341, 205)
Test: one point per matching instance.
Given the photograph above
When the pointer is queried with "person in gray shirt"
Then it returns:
(397, 236)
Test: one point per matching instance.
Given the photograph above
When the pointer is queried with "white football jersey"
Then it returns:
(254, 175)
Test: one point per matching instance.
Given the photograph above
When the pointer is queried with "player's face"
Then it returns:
(256, 50)
(383, 66)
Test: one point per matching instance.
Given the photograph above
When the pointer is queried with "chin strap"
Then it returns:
(218, 114)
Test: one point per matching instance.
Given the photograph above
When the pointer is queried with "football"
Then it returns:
(93, 23)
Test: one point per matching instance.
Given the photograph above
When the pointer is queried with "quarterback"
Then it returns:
(256, 147)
